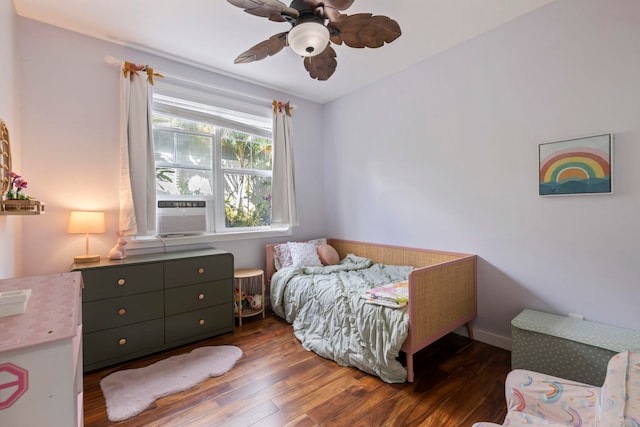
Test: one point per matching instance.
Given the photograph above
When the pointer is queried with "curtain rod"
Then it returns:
(115, 61)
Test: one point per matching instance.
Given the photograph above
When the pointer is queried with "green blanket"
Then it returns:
(330, 317)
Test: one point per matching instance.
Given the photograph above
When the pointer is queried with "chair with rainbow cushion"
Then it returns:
(543, 400)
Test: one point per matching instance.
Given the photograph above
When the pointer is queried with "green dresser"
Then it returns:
(149, 303)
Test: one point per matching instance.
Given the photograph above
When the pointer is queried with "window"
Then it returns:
(221, 156)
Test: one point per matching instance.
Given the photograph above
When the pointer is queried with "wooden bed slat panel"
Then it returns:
(392, 255)
(441, 298)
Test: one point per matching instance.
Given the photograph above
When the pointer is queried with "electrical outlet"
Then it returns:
(576, 316)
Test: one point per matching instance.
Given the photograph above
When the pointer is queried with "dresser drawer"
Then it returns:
(192, 323)
(117, 342)
(114, 312)
(198, 270)
(101, 283)
(200, 295)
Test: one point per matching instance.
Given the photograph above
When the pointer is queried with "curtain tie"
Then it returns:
(280, 106)
(129, 69)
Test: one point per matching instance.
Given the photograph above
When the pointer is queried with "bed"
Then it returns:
(441, 290)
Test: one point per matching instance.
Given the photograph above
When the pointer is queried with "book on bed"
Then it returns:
(394, 295)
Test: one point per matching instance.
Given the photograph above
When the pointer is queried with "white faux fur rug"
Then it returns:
(131, 391)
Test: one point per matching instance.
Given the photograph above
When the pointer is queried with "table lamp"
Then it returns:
(87, 223)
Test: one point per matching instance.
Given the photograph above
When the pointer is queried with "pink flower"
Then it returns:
(20, 183)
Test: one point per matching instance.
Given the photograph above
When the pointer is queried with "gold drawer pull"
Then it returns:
(121, 282)
(201, 270)
(200, 296)
(122, 312)
(201, 321)
(122, 341)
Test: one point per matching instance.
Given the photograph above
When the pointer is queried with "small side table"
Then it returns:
(243, 277)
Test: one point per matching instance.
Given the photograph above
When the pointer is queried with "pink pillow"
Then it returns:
(328, 255)
(282, 256)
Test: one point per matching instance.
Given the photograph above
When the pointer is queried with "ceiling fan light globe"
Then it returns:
(308, 38)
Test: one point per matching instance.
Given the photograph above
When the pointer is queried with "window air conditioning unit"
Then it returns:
(181, 217)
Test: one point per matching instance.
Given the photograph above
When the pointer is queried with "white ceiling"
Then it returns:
(211, 33)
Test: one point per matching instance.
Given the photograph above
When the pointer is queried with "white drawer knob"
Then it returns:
(122, 312)
(122, 341)
(200, 296)
(201, 270)
(121, 282)
(201, 321)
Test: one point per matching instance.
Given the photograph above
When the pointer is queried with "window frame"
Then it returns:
(162, 90)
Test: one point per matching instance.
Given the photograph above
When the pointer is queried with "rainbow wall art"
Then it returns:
(576, 166)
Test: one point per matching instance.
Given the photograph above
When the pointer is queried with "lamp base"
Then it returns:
(86, 258)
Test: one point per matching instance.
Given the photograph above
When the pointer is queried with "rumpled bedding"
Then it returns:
(330, 317)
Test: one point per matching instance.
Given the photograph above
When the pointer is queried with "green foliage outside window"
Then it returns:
(247, 195)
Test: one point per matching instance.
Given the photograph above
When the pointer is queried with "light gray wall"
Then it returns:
(10, 248)
(444, 156)
(70, 143)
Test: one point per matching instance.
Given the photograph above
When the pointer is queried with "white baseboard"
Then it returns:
(487, 337)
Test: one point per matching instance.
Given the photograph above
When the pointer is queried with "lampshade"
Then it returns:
(308, 38)
(87, 223)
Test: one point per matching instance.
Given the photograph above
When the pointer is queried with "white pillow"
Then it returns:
(304, 254)
(282, 255)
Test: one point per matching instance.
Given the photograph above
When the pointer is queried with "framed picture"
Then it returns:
(578, 166)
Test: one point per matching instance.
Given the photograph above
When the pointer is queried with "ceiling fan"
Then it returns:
(316, 23)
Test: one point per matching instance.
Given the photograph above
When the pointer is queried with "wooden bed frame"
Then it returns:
(442, 289)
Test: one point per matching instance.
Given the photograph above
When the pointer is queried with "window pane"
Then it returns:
(262, 154)
(177, 181)
(164, 146)
(236, 149)
(194, 150)
(164, 121)
(245, 151)
(247, 200)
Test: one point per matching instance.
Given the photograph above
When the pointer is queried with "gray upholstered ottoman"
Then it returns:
(574, 349)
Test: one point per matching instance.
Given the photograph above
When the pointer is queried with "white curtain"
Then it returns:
(137, 168)
(283, 198)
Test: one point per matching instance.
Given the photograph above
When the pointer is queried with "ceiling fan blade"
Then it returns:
(328, 9)
(269, 47)
(339, 4)
(331, 13)
(322, 66)
(272, 9)
(364, 30)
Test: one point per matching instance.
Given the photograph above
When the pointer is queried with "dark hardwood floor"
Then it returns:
(278, 383)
